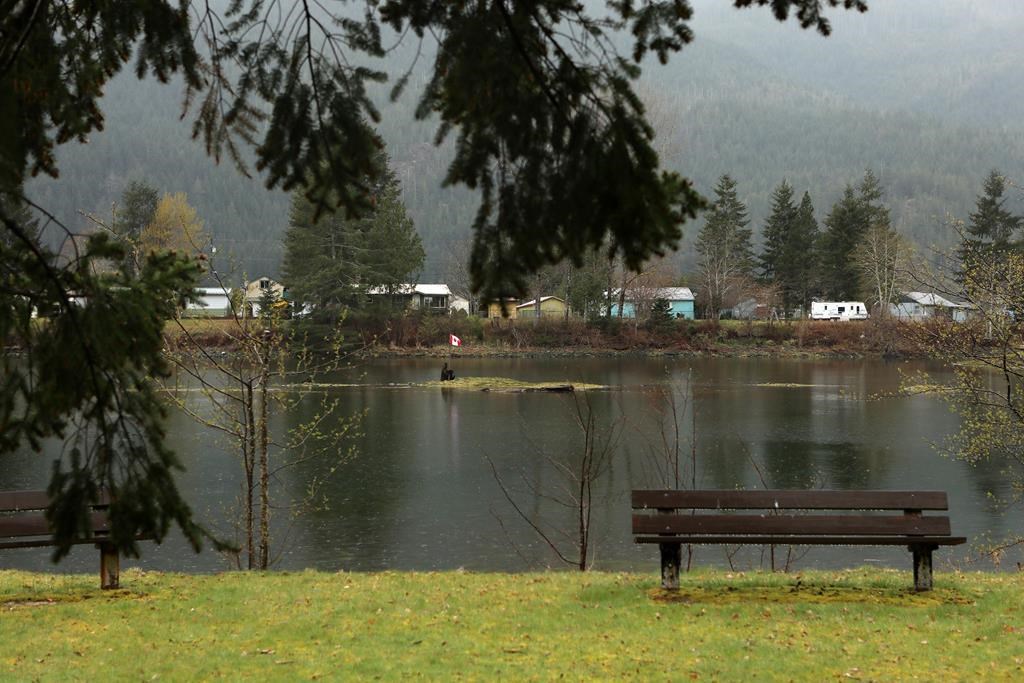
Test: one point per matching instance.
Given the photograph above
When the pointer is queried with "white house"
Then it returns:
(459, 303)
(923, 305)
(255, 290)
(213, 302)
(430, 297)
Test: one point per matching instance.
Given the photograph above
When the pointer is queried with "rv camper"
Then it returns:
(838, 310)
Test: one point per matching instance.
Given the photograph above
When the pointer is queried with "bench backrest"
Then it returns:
(858, 512)
(22, 515)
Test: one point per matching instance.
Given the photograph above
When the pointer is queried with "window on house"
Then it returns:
(264, 284)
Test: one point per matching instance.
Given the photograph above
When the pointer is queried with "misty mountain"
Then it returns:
(921, 92)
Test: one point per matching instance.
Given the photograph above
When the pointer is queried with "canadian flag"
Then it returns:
(454, 341)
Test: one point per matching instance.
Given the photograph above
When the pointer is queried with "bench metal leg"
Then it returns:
(922, 566)
(671, 560)
(110, 566)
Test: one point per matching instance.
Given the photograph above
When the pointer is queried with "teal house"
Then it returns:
(680, 301)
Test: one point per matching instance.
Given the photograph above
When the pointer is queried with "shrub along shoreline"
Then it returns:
(427, 335)
(815, 625)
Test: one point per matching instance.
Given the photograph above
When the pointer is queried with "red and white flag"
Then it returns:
(454, 341)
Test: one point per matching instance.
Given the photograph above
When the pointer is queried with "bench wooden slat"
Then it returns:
(16, 501)
(728, 499)
(807, 525)
(805, 540)
(21, 525)
(13, 501)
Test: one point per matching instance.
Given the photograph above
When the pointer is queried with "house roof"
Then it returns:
(667, 293)
(675, 293)
(434, 290)
(212, 291)
(533, 302)
(931, 299)
(407, 288)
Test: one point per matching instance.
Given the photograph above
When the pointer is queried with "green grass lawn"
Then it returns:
(813, 626)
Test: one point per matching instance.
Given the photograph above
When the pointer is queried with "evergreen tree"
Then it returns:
(135, 213)
(726, 256)
(332, 261)
(843, 227)
(990, 230)
(804, 253)
(870, 194)
(660, 318)
(846, 225)
(136, 209)
(777, 258)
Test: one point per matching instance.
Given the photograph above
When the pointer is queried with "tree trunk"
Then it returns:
(248, 458)
(264, 456)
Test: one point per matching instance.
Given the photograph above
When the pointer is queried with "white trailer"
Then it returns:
(838, 310)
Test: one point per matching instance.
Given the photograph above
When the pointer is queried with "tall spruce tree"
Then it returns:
(778, 258)
(850, 219)
(726, 255)
(844, 225)
(332, 261)
(872, 196)
(135, 213)
(803, 248)
(990, 230)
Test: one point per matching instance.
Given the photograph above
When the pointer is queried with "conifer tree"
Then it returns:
(990, 230)
(660, 318)
(803, 248)
(846, 225)
(333, 261)
(778, 260)
(843, 226)
(135, 213)
(726, 256)
(870, 193)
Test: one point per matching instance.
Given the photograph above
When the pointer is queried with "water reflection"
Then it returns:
(421, 493)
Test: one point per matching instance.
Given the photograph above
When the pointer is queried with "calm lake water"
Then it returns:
(421, 494)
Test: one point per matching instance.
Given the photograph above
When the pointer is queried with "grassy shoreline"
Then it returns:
(860, 624)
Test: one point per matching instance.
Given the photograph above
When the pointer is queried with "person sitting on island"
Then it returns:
(444, 373)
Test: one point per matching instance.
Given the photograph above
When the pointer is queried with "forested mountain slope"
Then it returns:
(921, 92)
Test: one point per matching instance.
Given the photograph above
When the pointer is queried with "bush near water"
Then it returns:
(481, 335)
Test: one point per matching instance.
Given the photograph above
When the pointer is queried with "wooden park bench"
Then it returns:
(788, 517)
(23, 524)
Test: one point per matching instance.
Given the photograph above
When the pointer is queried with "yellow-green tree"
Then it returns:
(985, 354)
(175, 227)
